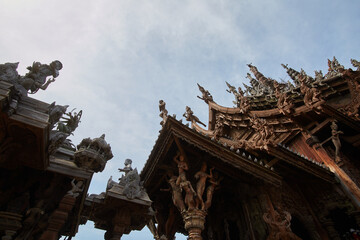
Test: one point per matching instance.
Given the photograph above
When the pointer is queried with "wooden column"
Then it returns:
(58, 218)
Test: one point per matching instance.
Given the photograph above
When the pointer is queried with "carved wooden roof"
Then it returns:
(270, 114)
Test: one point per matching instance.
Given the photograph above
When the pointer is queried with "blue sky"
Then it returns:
(121, 57)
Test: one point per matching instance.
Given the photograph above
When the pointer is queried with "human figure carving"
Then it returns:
(335, 138)
(214, 182)
(176, 193)
(219, 126)
(190, 194)
(201, 177)
(76, 188)
(127, 167)
(35, 79)
(189, 116)
(182, 167)
(264, 132)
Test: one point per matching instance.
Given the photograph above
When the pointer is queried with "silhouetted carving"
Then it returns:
(55, 113)
(36, 78)
(163, 112)
(206, 96)
(336, 140)
(70, 123)
(356, 64)
(189, 116)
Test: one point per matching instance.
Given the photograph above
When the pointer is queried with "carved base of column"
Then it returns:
(194, 223)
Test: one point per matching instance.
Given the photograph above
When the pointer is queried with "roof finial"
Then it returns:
(163, 112)
(206, 96)
(355, 63)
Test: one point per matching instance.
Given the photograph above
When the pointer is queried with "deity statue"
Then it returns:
(76, 188)
(335, 138)
(201, 177)
(214, 182)
(35, 79)
(182, 167)
(127, 167)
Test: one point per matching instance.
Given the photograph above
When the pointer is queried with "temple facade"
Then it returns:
(282, 163)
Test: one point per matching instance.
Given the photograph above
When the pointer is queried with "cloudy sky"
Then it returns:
(120, 57)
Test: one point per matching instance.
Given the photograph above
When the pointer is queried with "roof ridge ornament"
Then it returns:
(356, 64)
(265, 83)
(189, 116)
(206, 96)
(294, 75)
(284, 103)
(335, 68)
(241, 101)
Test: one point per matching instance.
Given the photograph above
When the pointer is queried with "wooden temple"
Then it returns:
(44, 177)
(283, 163)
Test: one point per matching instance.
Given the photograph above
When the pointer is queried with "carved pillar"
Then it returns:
(191, 204)
(194, 223)
(58, 218)
(120, 222)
